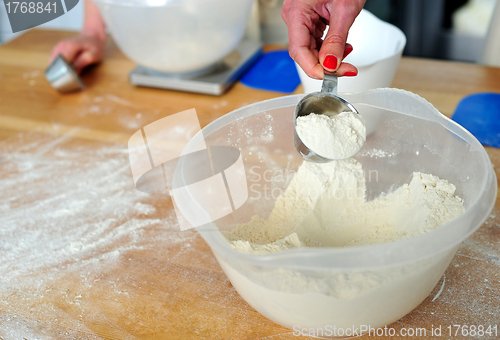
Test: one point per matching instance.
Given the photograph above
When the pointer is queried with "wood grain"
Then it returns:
(168, 285)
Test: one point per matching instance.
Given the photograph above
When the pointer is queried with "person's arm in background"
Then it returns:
(307, 20)
(88, 47)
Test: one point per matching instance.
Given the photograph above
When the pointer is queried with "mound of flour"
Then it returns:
(325, 206)
(337, 137)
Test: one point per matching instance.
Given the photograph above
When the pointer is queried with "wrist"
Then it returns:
(99, 35)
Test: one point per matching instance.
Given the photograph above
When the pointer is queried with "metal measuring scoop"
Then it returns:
(326, 103)
(62, 76)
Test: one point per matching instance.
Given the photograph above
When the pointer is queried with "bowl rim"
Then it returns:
(368, 256)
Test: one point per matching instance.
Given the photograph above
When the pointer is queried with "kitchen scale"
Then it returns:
(214, 80)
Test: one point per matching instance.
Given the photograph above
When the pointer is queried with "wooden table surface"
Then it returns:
(84, 255)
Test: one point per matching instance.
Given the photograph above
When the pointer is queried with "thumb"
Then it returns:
(332, 49)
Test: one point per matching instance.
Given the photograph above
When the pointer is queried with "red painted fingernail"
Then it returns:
(330, 62)
(347, 51)
(350, 74)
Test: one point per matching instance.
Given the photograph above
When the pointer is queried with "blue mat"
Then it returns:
(274, 71)
(480, 114)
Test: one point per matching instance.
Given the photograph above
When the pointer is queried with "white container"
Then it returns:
(371, 285)
(378, 47)
(176, 36)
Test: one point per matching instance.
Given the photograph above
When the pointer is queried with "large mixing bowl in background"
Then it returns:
(176, 36)
(344, 287)
(378, 47)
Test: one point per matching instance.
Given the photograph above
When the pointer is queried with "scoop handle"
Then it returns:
(329, 84)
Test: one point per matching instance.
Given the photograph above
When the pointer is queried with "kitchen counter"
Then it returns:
(84, 255)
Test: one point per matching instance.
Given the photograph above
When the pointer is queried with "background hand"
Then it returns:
(81, 51)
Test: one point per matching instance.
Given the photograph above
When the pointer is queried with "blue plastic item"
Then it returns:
(274, 71)
(480, 114)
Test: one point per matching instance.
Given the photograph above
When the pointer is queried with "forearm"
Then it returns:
(93, 24)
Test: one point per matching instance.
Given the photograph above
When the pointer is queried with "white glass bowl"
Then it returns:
(176, 36)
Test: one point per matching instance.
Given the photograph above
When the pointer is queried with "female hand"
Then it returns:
(81, 51)
(88, 47)
(307, 20)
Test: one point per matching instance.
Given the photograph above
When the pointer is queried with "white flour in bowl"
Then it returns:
(337, 137)
(325, 204)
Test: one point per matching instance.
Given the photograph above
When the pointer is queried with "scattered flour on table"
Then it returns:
(69, 211)
(337, 137)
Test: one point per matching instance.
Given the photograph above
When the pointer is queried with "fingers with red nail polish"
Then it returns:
(330, 63)
(346, 69)
(307, 21)
(348, 49)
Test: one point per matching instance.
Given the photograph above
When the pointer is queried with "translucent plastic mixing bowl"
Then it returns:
(176, 36)
(354, 286)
